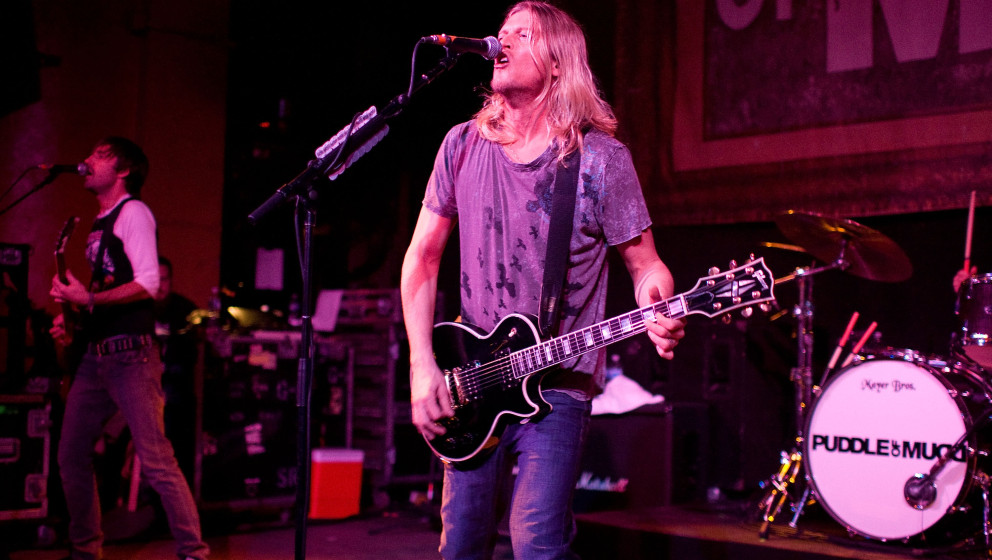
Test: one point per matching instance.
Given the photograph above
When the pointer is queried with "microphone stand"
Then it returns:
(336, 160)
(920, 490)
(355, 139)
(52, 174)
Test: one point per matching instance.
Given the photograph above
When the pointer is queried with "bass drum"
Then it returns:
(879, 423)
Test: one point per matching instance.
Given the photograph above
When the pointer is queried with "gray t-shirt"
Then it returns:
(503, 212)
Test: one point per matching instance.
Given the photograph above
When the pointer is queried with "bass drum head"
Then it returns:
(875, 425)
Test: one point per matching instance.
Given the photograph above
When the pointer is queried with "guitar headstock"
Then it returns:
(738, 287)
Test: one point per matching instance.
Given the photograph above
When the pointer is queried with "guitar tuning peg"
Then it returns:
(765, 308)
(726, 319)
(750, 258)
(747, 312)
(713, 270)
(733, 264)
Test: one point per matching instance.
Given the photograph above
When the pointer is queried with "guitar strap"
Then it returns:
(559, 235)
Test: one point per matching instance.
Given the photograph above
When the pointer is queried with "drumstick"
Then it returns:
(840, 347)
(967, 237)
(861, 342)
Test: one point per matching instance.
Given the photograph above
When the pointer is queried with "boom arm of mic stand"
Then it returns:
(285, 192)
(919, 481)
(52, 174)
(336, 159)
(942, 461)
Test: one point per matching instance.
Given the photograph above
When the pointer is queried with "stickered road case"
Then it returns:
(25, 445)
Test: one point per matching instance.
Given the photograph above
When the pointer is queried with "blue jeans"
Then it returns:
(130, 381)
(547, 452)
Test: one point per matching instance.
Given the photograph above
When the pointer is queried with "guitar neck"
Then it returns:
(713, 295)
(62, 271)
(60, 268)
(574, 344)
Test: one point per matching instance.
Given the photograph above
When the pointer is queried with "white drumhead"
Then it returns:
(875, 425)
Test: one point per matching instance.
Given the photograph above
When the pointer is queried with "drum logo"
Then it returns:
(587, 481)
(929, 451)
(878, 386)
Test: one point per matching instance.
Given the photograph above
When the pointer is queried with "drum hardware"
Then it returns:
(791, 470)
(853, 248)
(983, 482)
(774, 499)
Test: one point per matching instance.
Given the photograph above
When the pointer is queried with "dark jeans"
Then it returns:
(548, 453)
(132, 382)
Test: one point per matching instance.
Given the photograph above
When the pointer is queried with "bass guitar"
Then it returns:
(494, 378)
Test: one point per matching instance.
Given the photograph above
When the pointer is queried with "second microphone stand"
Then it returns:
(339, 152)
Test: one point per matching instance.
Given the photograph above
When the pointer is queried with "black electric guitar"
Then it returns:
(68, 313)
(494, 378)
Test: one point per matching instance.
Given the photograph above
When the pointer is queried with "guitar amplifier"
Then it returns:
(25, 447)
(627, 462)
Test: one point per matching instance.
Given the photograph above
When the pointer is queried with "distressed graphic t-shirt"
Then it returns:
(503, 212)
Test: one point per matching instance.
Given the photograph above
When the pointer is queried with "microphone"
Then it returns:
(920, 491)
(489, 48)
(56, 168)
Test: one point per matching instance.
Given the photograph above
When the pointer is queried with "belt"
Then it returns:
(121, 343)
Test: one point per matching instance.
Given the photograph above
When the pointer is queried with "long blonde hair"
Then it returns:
(573, 99)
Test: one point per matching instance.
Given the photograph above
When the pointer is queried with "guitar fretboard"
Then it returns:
(557, 350)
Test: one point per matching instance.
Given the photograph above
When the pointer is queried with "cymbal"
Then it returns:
(863, 252)
(783, 246)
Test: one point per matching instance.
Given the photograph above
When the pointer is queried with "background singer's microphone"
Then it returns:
(489, 47)
(56, 168)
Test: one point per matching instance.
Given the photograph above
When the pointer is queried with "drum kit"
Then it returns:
(889, 442)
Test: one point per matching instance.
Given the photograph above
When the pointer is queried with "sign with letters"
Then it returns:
(763, 81)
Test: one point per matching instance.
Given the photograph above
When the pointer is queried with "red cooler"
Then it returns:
(335, 482)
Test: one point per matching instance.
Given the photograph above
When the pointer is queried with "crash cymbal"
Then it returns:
(862, 251)
(783, 246)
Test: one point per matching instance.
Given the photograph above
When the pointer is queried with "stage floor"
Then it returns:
(674, 532)
(728, 533)
(392, 536)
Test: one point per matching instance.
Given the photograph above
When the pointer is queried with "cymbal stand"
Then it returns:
(802, 376)
(792, 465)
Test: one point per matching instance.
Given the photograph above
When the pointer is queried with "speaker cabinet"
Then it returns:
(627, 460)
